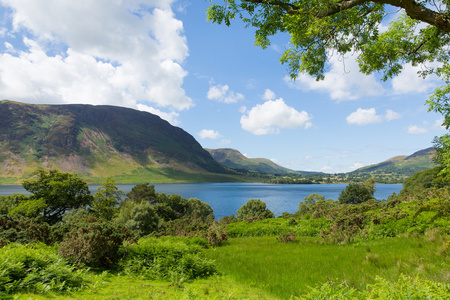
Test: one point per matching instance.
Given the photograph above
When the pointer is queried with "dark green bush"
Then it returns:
(94, 242)
(16, 228)
(355, 193)
(254, 209)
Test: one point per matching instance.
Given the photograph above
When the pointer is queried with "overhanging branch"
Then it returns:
(413, 9)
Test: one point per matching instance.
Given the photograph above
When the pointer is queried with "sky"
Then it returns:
(164, 57)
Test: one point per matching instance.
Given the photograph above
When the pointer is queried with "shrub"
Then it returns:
(254, 208)
(94, 242)
(24, 230)
(167, 257)
(355, 193)
(143, 220)
(216, 234)
(287, 237)
(36, 268)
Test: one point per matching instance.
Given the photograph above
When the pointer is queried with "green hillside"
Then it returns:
(234, 159)
(398, 168)
(99, 142)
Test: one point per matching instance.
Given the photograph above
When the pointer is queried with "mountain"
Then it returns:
(99, 142)
(234, 159)
(400, 167)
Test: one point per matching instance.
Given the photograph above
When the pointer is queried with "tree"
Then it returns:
(355, 193)
(199, 210)
(106, 199)
(142, 192)
(319, 29)
(254, 208)
(308, 203)
(370, 185)
(143, 220)
(53, 194)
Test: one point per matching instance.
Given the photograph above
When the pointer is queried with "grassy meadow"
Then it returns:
(158, 246)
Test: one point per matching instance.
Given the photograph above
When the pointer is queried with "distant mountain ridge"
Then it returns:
(400, 166)
(234, 159)
(96, 141)
(134, 146)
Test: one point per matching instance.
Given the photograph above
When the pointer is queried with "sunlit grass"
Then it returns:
(285, 269)
(123, 287)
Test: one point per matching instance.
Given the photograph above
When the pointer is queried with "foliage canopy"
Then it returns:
(53, 194)
(254, 208)
(418, 35)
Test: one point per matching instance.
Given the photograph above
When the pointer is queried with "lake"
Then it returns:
(227, 198)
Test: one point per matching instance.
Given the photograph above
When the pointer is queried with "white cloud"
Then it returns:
(209, 134)
(222, 93)
(342, 82)
(392, 115)
(269, 95)
(224, 142)
(242, 109)
(438, 124)
(269, 117)
(171, 117)
(120, 53)
(414, 129)
(408, 81)
(364, 117)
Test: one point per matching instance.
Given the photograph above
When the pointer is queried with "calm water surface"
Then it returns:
(226, 198)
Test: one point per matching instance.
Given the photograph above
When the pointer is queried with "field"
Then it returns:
(158, 246)
(263, 268)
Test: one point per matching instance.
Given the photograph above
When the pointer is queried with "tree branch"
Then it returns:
(413, 9)
(419, 12)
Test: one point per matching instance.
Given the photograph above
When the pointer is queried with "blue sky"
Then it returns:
(164, 57)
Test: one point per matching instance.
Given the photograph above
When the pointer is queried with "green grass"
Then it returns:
(263, 268)
(285, 269)
(115, 287)
(8, 180)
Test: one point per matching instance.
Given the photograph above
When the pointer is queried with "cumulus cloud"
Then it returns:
(342, 82)
(222, 93)
(392, 115)
(171, 117)
(120, 53)
(269, 117)
(439, 124)
(209, 134)
(414, 129)
(369, 116)
(269, 95)
(409, 82)
(364, 117)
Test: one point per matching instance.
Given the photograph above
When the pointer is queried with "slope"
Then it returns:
(234, 159)
(97, 142)
(399, 167)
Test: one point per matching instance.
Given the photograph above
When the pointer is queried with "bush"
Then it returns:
(36, 268)
(24, 230)
(163, 258)
(94, 242)
(143, 220)
(254, 209)
(355, 193)
(287, 237)
(216, 234)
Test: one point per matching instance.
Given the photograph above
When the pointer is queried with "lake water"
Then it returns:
(227, 198)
